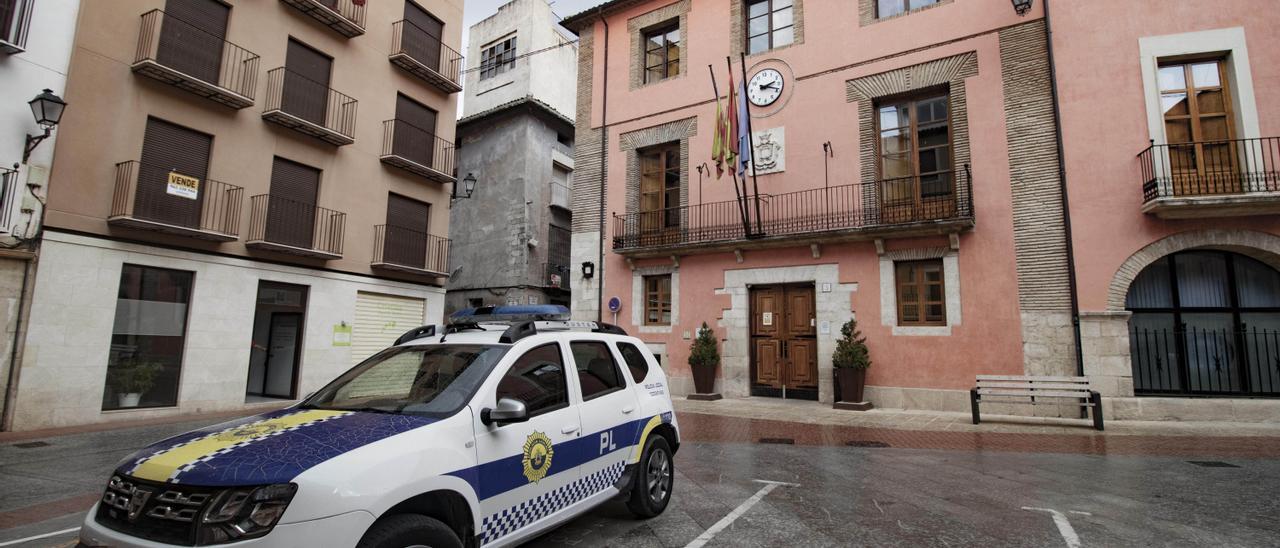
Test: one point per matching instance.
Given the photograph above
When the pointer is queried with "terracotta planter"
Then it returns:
(704, 379)
(849, 384)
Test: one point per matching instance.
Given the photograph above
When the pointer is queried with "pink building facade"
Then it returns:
(1170, 122)
(909, 177)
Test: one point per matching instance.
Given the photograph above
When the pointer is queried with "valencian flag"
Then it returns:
(724, 148)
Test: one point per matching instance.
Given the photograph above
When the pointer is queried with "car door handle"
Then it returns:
(628, 409)
(570, 429)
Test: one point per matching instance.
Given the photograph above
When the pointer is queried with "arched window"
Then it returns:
(1205, 323)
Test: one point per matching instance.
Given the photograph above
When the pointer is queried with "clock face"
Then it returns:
(765, 87)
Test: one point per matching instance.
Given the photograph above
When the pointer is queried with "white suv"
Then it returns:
(478, 434)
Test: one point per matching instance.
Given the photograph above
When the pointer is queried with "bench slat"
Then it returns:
(1027, 393)
(1018, 402)
(1024, 378)
(1029, 386)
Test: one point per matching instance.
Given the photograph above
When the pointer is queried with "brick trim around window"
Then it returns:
(636, 26)
(867, 12)
(738, 27)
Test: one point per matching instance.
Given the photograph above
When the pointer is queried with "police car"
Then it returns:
(485, 432)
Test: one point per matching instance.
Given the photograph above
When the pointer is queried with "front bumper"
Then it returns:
(337, 531)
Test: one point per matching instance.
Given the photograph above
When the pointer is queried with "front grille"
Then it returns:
(153, 511)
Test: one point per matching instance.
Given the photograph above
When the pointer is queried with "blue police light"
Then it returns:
(538, 312)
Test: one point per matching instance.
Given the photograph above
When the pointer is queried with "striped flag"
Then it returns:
(724, 147)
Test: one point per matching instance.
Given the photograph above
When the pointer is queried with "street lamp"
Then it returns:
(47, 109)
(468, 187)
(1022, 6)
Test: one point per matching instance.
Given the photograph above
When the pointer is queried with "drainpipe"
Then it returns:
(1062, 185)
(604, 148)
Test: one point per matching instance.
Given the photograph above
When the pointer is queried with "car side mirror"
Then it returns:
(509, 410)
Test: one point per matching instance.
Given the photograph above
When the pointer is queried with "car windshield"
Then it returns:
(434, 380)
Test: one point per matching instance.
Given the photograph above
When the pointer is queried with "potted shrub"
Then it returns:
(704, 356)
(851, 361)
(132, 379)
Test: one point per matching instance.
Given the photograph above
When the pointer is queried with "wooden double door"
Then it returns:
(784, 344)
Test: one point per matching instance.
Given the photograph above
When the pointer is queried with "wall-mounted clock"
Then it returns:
(765, 87)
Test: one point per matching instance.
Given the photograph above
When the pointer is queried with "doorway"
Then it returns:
(784, 342)
(276, 351)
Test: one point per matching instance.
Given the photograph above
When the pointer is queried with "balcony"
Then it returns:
(423, 55)
(1233, 178)
(15, 23)
(410, 251)
(184, 56)
(556, 276)
(297, 228)
(162, 200)
(417, 151)
(892, 208)
(309, 107)
(8, 193)
(346, 17)
(560, 195)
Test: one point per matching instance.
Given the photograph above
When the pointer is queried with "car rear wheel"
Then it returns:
(409, 531)
(655, 476)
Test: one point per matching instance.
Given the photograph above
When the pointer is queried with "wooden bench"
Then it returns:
(1027, 390)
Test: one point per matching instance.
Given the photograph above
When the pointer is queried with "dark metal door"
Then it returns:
(406, 238)
(421, 38)
(306, 83)
(192, 36)
(291, 214)
(168, 148)
(415, 131)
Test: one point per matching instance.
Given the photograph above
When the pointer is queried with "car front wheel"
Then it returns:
(655, 477)
(409, 531)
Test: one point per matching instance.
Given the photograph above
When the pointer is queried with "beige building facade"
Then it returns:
(250, 198)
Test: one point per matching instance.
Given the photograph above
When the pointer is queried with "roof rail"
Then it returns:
(416, 333)
(528, 328)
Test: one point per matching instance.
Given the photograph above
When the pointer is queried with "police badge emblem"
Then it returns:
(537, 456)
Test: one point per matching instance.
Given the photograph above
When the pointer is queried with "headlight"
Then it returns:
(238, 514)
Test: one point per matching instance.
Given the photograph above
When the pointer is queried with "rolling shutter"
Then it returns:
(415, 131)
(380, 320)
(171, 148)
(306, 82)
(191, 37)
(406, 239)
(422, 39)
(291, 215)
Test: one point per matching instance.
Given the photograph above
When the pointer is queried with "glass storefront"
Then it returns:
(145, 362)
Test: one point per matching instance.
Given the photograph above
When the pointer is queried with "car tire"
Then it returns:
(409, 530)
(655, 477)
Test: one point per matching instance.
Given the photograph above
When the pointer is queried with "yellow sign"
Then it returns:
(183, 186)
(537, 456)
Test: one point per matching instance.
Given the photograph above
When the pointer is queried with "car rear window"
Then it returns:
(635, 361)
(598, 374)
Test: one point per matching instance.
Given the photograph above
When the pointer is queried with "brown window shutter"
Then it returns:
(421, 39)
(168, 147)
(192, 35)
(406, 236)
(291, 215)
(306, 82)
(415, 131)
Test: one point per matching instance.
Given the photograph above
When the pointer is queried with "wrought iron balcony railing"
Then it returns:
(1244, 361)
(187, 57)
(425, 56)
(346, 17)
(8, 193)
(417, 151)
(163, 200)
(298, 228)
(309, 107)
(1209, 168)
(15, 24)
(409, 250)
(893, 207)
(556, 276)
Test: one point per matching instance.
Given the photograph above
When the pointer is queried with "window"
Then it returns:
(498, 58)
(662, 52)
(657, 300)
(921, 295)
(145, 360)
(914, 149)
(598, 374)
(635, 361)
(1205, 322)
(15, 19)
(770, 24)
(538, 380)
(890, 8)
(1197, 115)
(435, 380)
(660, 188)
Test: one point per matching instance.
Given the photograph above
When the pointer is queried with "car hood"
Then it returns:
(262, 449)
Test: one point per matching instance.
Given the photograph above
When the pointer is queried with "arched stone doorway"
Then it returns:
(1205, 322)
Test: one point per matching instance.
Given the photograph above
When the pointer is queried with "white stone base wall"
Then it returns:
(584, 302)
(1048, 344)
(73, 311)
(1104, 342)
(1192, 409)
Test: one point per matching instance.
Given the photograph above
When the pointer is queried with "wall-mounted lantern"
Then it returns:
(468, 187)
(47, 109)
(1022, 6)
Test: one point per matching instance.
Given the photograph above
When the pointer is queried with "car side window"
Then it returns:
(598, 374)
(537, 379)
(635, 361)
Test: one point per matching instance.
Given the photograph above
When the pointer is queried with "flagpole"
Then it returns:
(747, 209)
(742, 211)
(755, 181)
